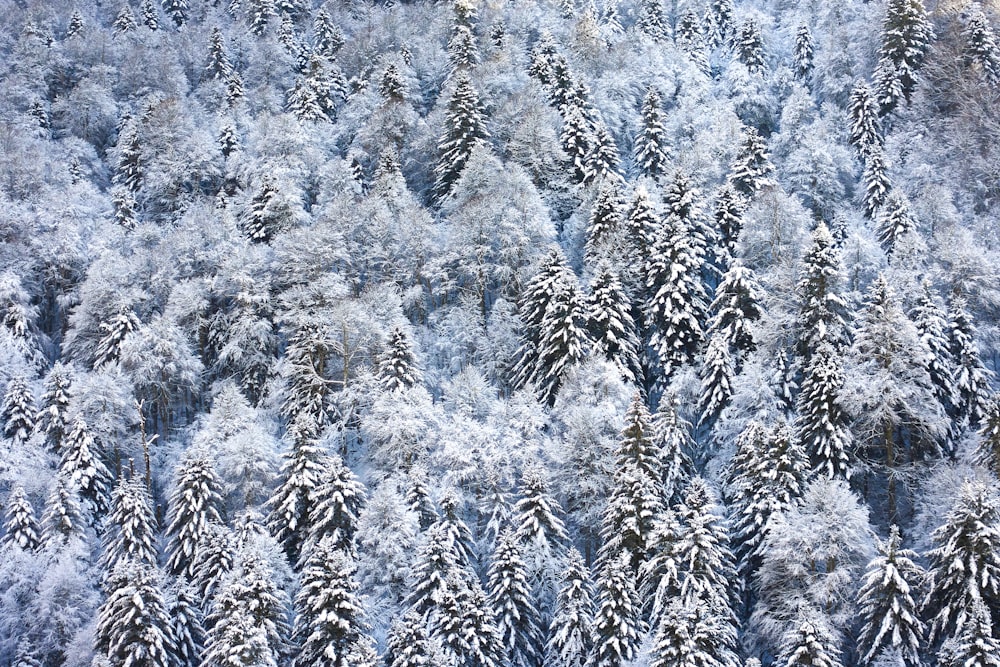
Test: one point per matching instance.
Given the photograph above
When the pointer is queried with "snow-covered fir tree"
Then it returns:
(131, 531)
(976, 645)
(337, 499)
(865, 129)
(874, 180)
(895, 222)
(510, 597)
(610, 323)
(618, 626)
(62, 518)
(752, 168)
(195, 502)
(748, 45)
(133, 626)
(292, 504)
(971, 376)
(822, 425)
(822, 310)
(184, 610)
(717, 372)
(398, 368)
(809, 645)
(652, 154)
(804, 55)
(465, 128)
(18, 411)
(982, 51)
(84, 471)
(20, 527)
(906, 36)
(569, 640)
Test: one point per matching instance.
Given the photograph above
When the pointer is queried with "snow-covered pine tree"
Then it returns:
(306, 385)
(822, 423)
(906, 36)
(716, 373)
(433, 565)
(465, 624)
(216, 559)
(570, 638)
(865, 124)
(462, 51)
(932, 325)
(124, 205)
(721, 29)
(259, 13)
(292, 504)
(652, 21)
(328, 39)
(217, 65)
(113, 334)
(692, 635)
(304, 103)
(652, 154)
(537, 522)
(124, 21)
(418, 497)
(61, 519)
(689, 35)
(971, 377)
(642, 226)
(618, 625)
(988, 451)
(672, 443)
(736, 308)
(177, 10)
(749, 46)
(330, 624)
(408, 644)
(184, 611)
(84, 471)
(610, 323)
(234, 89)
(751, 169)
(150, 18)
(730, 207)
(455, 530)
(130, 533)
(891, 617)
(18, 411)
(128, 167)
(338, 499)
(133, 627)
(822, 310)
(465, 128)
(577, 140)
(517, 617)
(76, 26)
(894, 222)
(875, 179)
(804, 52)
(964, 562)
(196, 501)
(398, 368)
(982, 52)
(809, 645)
(975, 645)
(602, 159)
(19, 526)
(605, 224)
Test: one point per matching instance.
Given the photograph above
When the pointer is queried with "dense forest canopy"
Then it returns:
(499, 333)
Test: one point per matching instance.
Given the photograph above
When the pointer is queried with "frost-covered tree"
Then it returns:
(62, 518)
(292, 504)
(606, 221)
(975, 645)
(982, 51)
(822, 310)
(736, 308)
(216, 559)
(82, 468)
(510, 597)
(672, 444)
(184, 610)
(692, 635)
(19, 526)
(569, 640)
(196, 501)
(748, 45)
(177, 10)
(809, 645)
(150, 17)
(455, 530)
(18, 411)
(752, 168)
(462, 51)
(730, 207)
(886, 600)
(113, 334)
(971, 377)
(408, 644)
(618, 625)
(652, 21)
(610, 323)
(931, 321)
(865, 124)
(875, 181)
(716, 373)
(652, 154)
(129, 167)
(537, 523)
(988, 451)
(330, 626)
(465, 625)
(217, 65)
(433, 565)
(133, 627)
(304, 102)
(804, 54)
(398, 368)
(577, 140)
(130, 534)
(822, 425)
(894, 222)
(337, 499)
(602, 159)
(907, 33)
(964, 567)
(465, 128)
(307, 386)
(124, 21)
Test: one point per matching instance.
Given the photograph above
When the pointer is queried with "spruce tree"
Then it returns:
(736, 308)
(964, 562)
(809, 645)
(113, 334)
(306, 385)
(61, 519)
(642, 226)
(652, 21)
(611, 325)
(327, 36)
(465, 625)
(975, 645)
(18, 411)
(804, 51)
(216, 559)
(988, 451)
(130, 533)
(185, 613)
(150, 19)
(865, 125)
(895, 222)
(338, 499)
(671, 440)
(462, 51)
(76, 25)
(822, 423)
(408, 644)
(177, 10)
(304, 103)
(330, 625)
(196, 501)
(266, 216)
(906, 36)
(971, 377)
(129, 171)
(433, 565)
(455, 530)
(133, 627)
(692, 635)
(217, 65)
(821, 307)
(602, 159)
(729, 209)
(510, 597)
(577, 139)
(465, 128)
(982, 51)
(875, 180)
(717, 373)
(536, 521)
(398, 368)
(722, 29)
(124, 205)
(652, 154)
(569, 640)
(749, 46)
(618, 625)
(690, 37)
(292, 504)
(752, 168)
(259, 13)
(605, 224)
(124, 21)
(890, 614)
(932, 325)
(19, 526)
(83, 470)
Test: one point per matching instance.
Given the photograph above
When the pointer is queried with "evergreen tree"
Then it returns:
(891, 616)
(150, 19)
(239, 643)
(906, 37)
(418, 498)
(971, 377)
(327, 36)
(188, 630)
(736, 308)
(975, 645)
(895, 222)
(605, 224)
(259, 13)
(982, 52)
(195, 501)
(652, 154)
(307, 387)
(671, 441)
(642, 226)
(822, 422)
(19, 527)
(113, 334)
(601, 162)
(729, 209)
(177, 10)
(408, 644)
(964, 562)
(517, 618)
(465, 625)
(433, 565)
(804, 50)
(398, 368)
(988, 452)
(821, 308)
(129, 171)
(875, 179)
(130, 534)
(304, 103)
(932, 326)
(865, 125)
(722, 30)
(329, 617)
(611, 325)
(292, 505)
(536, 521)
(76, 25)
(234, 89)
(133, 627)
(809, 645)
(465, 128)
(218, 65)
(691, 635)
(569, 642)
(124, 21)
(216, 559)
(61, 518)
(752, 167)
(577, 140)
(18, 411)
(267, 213)
(618, 625)
(716, 373)
(462, 51)
(83, 470)
(652, 21)
(124, 204)
(749, 46)
(338, 500)
(690, 37)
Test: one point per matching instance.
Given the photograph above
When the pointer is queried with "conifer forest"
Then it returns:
(499, 333)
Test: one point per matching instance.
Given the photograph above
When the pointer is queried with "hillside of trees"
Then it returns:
(499, 333)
